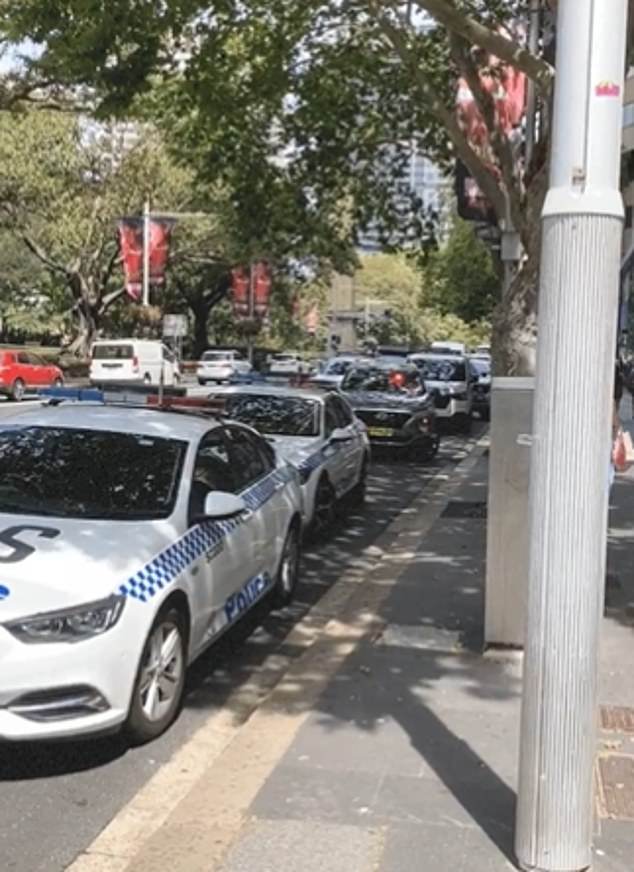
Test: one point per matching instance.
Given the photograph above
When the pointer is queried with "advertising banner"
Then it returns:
(240, 291)
(160, 238)
(262, 281)
(131, 243)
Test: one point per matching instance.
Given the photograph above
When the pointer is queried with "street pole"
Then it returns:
(581, 243)
(251, 314)
(531, 90)
(146, 253)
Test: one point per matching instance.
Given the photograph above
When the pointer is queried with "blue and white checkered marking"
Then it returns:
(165, 568)
(314, 461)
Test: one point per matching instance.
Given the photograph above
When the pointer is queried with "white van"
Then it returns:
(132, 361)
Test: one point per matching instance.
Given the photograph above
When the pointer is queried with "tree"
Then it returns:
(390, 283)
(340, 90)
(61, 193)
(461, 276)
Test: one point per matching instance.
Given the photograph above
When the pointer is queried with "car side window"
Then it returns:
(247, 461)
(343, 411)
(212, 471)
(23, 358)
(332, 419)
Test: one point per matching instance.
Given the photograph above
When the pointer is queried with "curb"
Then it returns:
(176, 821)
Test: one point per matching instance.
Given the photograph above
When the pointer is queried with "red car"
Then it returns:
(21, 371)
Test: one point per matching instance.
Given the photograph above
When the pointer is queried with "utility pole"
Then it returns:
(146, 253)
(581, 246)
(531, 90)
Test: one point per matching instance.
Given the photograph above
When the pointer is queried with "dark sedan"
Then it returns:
(393, 404)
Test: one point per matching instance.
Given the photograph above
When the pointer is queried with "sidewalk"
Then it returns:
(391, 746)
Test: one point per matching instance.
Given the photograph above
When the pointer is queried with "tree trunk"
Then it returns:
(515, 319)
(87, 316)
(201, 316)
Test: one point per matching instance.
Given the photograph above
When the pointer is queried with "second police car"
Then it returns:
(314, 430)
(130, 539)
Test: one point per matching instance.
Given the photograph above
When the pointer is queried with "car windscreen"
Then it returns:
(442, 370)
(97, 474)
(480, 367)
(382, 380)
(338, 367)
(217, 355)
(112, 352)
(274, 416)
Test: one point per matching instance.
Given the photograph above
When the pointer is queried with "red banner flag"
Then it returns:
(160, 238)
(262, 280)
(131, 242)
(240, 289)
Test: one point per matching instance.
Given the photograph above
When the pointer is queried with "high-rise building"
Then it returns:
(421, 193)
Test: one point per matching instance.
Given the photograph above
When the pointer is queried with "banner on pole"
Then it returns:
(251, 290)
(131, 243)
(160, 238)
(240, 289)
(261, 281)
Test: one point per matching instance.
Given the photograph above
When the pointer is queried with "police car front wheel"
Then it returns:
(288, 572)
(160, 680)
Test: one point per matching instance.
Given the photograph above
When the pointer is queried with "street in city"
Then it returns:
(56, 798)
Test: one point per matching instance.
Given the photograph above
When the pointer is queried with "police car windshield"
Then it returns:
(97, 474)
(445, 370)
(275, 416)
(337, 367)
(383, 380)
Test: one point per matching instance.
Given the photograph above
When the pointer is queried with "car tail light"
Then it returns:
(135, 363)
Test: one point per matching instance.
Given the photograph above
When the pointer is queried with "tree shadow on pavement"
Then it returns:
(431, 724)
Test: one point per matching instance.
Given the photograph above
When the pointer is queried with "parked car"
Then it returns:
(450, 377)
(132, 539)
(22, 371)
(133, 361)
(334, 370)
(481, 369)
(395, 406)
(448, 347)
(315, 431)
(288, 364)
(221, 366)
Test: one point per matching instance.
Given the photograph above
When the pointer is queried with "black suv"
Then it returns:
(392, 402)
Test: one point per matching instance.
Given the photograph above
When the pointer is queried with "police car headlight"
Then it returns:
(69, 625)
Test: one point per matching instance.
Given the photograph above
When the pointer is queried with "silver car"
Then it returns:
(449, 377)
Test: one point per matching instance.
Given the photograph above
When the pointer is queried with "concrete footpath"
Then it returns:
(391, 745)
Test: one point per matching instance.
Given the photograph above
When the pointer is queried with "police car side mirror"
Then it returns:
(341, 434)
(220, 505)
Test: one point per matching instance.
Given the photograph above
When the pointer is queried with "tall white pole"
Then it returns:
(146, 253)
(581, 244)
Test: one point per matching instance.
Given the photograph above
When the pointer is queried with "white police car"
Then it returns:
(317, 432)
(130, 539)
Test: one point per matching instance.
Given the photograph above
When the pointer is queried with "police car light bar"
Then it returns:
(174, 399)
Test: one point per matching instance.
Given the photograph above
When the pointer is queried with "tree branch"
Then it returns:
(497, 137)
(108, 299)
(484, 178)
(42, 256)
(495, 43)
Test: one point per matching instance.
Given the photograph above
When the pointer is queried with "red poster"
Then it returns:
(160, 237)
(240, 286)
(131, 243)
(261, 287)
(507, 86)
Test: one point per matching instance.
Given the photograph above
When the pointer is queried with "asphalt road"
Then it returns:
(56, 798)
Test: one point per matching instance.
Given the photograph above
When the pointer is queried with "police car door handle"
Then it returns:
(246, 514)
(278, 486)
